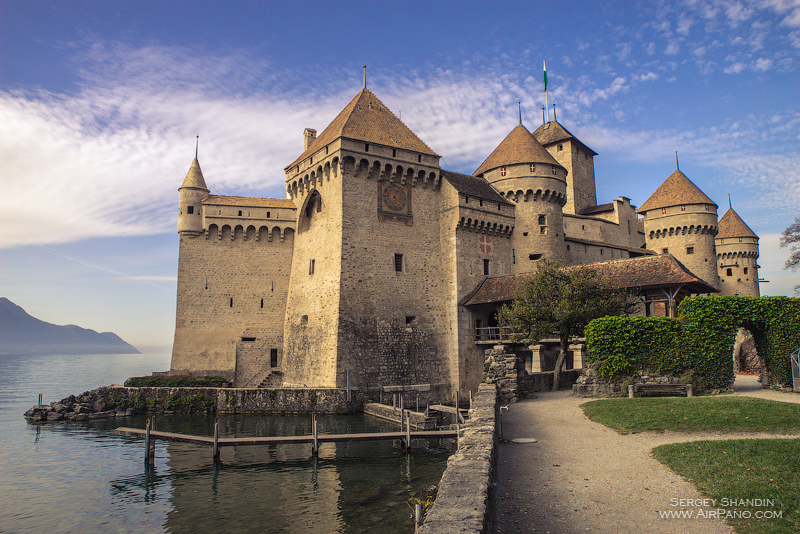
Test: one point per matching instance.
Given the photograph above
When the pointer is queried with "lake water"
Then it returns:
(81, 477)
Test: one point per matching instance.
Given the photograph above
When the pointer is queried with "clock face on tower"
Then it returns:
(394, 197)
(394, 203)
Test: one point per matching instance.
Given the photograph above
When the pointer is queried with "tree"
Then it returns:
(791, 236)
(562, 300)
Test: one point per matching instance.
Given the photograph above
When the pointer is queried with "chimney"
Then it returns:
(308, 137)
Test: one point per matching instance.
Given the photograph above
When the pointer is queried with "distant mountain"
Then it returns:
(22, 334)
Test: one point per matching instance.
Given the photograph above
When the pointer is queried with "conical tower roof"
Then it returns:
(519, 146)
(731, 225)
(367, 119)
(194, 178)
(675, 191)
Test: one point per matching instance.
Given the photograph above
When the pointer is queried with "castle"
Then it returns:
(381, 268)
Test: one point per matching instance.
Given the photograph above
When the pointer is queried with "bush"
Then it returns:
(629, 344)
(176, 382)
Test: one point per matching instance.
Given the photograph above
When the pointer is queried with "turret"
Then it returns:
(190, 201)
(737, 254)
(679, 219)
(524, 172)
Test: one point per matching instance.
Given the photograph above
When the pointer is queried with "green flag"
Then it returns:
(544, 76)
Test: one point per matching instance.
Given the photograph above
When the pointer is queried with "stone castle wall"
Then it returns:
(229, 289)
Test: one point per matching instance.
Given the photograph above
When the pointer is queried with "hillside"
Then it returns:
(22, 334)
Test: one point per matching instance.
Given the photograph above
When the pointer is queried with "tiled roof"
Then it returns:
(731, 225)
(473, 186)
(519, 146)
(253, 202)
(676, 190)
(647, 272)
(367, 119)
(553, 132)
(194, 178)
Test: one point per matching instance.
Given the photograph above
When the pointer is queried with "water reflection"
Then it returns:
(349, 487)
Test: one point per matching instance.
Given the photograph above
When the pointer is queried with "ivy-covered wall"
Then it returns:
(701, 339)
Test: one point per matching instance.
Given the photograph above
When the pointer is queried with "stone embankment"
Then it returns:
(593, 384)
(466, 498)
(119, 401)
(507, 370)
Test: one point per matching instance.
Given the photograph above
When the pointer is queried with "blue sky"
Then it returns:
(100, 103)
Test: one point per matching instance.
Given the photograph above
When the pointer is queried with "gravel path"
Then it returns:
(583, 477)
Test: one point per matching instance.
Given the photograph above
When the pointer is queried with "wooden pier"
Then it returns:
(216, 442)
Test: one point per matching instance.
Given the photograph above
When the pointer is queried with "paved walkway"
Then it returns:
(583, 477)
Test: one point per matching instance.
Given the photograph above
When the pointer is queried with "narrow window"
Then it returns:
(262, 303)
(231, 301)
(665, 251)
(240, 213)
(190, 209)
(722, 241)
(690, 250)
(745, 270)
(410, 318)
(267, 215)
(499, 206)
(304, 319)
(394, 152)
(663, 211)
(601, 251)
(311, 267)
(567, 247)
(708, 208)
(585, 249)
(740, 240)
(419, 158)
(542, 219)
(480, 202)
(398, 263)
(502, 171)
(366, 147)
(560, 147)
(466, 200)
(311, 160)
(729, 272)
(273, 357)
(486, 267)
(514, 256)
(543, 230)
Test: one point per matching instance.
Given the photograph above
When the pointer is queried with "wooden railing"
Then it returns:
(492, 333)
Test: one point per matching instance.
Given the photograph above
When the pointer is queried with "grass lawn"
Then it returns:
(731, 469)
(743, 469)
(725, 413)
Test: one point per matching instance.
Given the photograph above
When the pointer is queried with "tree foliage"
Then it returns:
(791, 236)
(562, 300)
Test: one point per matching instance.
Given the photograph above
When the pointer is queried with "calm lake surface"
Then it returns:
(81, 477)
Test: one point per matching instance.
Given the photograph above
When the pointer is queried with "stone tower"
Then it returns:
(524, 172)
(679, 219)
(367, 281)
(190, 198)
(737, 254)
(577, 159)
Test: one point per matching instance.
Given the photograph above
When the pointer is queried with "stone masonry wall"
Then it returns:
(466, 498)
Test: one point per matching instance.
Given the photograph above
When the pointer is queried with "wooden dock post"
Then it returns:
(408, 433)
(216, 440)
(149, 446)
(40, 400)
(315, 443)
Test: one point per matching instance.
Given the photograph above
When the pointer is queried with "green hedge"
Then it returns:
(701, 339)
(645, 342)
(176, 382)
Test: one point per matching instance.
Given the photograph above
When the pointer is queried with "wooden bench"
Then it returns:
(655, 387)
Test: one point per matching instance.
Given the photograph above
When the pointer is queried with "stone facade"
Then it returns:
(365, 265)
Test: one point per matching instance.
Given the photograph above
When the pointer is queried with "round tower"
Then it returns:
(679, 219)
(737, 254)
(524, 172)
(190, 201)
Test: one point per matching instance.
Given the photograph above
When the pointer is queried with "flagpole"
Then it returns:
(544, 78)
